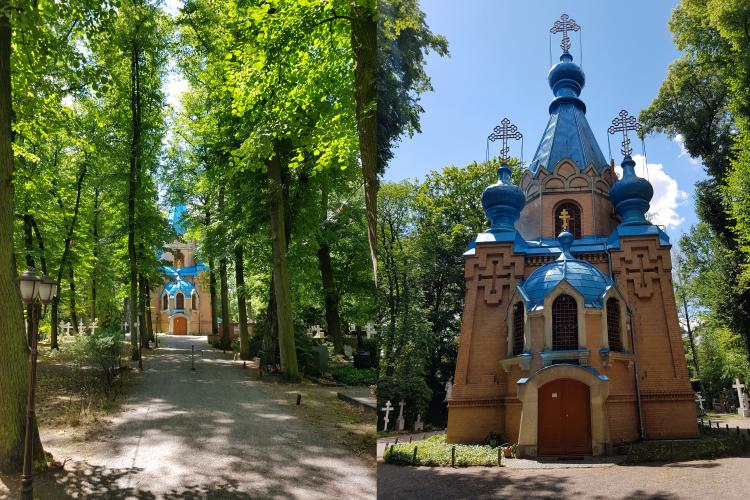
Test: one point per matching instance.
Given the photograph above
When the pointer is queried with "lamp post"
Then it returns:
(33, 289)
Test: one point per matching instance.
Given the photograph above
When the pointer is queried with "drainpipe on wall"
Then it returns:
(635, 369)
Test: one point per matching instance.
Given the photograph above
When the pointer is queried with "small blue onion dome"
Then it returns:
(584, 277)
(566, 78)
(503, 201)
(631, 195)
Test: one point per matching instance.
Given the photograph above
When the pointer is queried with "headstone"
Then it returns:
(370, 330)
(418, 424)
(93, 326)
(348, 351)
(81, 328)
(387, 409)
(65, 327)
(318, 363)
(699, 399)
(448, 390)
(743, 410)
(400, 423)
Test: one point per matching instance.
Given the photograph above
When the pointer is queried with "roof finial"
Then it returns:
(563, 25)
(623, 123)
(506, 130)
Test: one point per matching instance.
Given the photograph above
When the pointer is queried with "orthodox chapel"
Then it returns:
(182, 306)
(570, 342)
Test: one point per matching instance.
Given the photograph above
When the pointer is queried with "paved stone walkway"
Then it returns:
(208, 433)
(725, 478)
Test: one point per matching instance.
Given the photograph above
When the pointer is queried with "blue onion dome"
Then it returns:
(631, 195)
(566, 79)
(589, 281)
(503, 201)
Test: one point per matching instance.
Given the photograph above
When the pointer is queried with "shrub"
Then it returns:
(712, 444)
(434, 451)
(100, 350)
(349, 375)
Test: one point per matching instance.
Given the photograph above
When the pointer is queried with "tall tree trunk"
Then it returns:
(683, 299)
(364, 45)
(330, 290)
(149, 319)
(29, 246)
(66, 256)
(226, 321)
(211, 279)
(73, 311)
(135, 143)
(239, 273)
(13, 357)
(282, 293)
(95, 250)
(40, 244)
(142, 299)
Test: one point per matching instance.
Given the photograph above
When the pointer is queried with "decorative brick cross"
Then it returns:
(563, 25)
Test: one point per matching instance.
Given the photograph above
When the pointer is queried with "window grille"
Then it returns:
(564, 323)
(518, 328)
(572, 213)
(613, 325)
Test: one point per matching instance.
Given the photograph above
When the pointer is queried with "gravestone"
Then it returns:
(743, 410)
(387, 409)
(418, 424)
(400, 422)
(318, 364)
(93, 326)
(65, 327)
(448, 390)
(81, 328)
(370, 330)
(348, 350)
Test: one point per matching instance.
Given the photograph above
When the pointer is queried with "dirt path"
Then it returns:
(208, 433)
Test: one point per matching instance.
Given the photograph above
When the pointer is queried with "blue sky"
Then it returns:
(498, 67)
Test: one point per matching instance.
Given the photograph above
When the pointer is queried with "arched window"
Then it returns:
(613, 325)
(165, 302)
(517, 328)
(568, 215)
(564, 323)
(179, 301)
(194, 302)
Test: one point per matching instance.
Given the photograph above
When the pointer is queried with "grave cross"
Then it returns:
(81, 328)
(400, 420)
(563, 25)
(387, 409)
(699, 399)
(623, 123)
(93, 326)
(740, 395)
(503, 132)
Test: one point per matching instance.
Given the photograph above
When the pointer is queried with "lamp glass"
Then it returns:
(28, 283)
(47, 288)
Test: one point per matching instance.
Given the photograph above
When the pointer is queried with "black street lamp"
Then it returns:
(33, 289)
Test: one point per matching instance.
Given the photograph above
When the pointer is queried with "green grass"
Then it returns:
(434, 451)
(349, 375)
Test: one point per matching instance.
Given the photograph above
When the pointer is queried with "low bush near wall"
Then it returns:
(349, 375)
(434, 451)
(711, 444)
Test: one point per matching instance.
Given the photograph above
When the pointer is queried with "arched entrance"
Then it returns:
(564, 418)
(179, 325)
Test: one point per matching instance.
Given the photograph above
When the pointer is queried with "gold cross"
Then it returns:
(565, 218)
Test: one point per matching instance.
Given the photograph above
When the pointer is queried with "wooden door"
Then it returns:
(179, 325)
(564, 419)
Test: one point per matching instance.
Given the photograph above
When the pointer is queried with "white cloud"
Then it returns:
(680, 140)
(667, 194)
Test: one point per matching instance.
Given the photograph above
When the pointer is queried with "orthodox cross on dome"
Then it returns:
(623, 123)
(563, 25)
(565, 219)
(506, 130)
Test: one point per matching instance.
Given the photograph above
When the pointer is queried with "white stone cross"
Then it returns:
(737, 385)
(370, 330)
(93, 326)
(66, 326)
(387, 409)
(81, 328)
(700, 400)
(400, 420)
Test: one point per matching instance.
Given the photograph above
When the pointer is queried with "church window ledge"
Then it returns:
(522, 360)
(608, 357)
(551, 357)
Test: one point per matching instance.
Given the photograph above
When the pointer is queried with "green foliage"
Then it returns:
(434, 451)
(711, 444)
(722, 358)
(100, 351)
(348, 375)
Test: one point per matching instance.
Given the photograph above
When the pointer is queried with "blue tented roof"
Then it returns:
(179, 285)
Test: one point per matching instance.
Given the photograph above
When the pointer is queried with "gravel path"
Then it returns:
(208, 433)
(725, 478)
